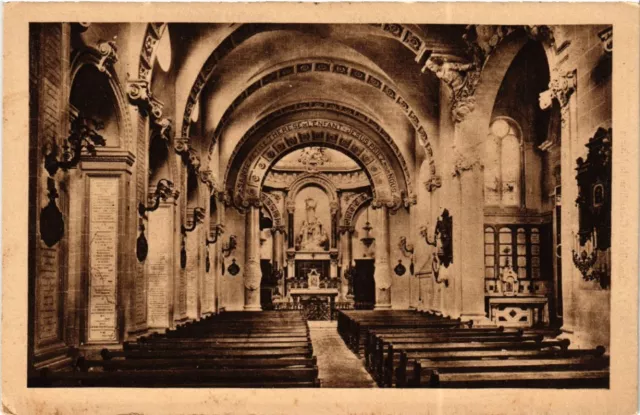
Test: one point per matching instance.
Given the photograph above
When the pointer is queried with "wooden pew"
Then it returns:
(386, 366)
(428, 372)
(86, 365)
(405, 371)
(378, 343)
(220, 377)
(523, 379)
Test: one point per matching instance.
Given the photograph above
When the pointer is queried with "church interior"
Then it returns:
(236, 204)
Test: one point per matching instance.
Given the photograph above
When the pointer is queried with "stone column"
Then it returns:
(470, 234)
(252, 271)
(382, 274)
(278, 252)
(347, 253)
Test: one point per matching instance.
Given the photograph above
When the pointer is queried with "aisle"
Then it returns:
(338, 366)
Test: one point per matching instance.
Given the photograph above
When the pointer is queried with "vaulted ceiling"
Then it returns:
(232, 77)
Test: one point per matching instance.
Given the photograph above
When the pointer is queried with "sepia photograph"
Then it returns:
(313, 204)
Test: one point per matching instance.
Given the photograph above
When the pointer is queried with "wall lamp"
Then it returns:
(83, 134)
(164, 189)
(198, 217)
(217, 231)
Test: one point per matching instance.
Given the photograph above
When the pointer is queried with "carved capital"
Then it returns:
(138, 92)
(108, 55)
(290, 205)
(342, 229)
(561, 86)
(408, 201)
(542, 33)
(433, 183)
(207, 177)
(155, 107)
(465, 162)
(606, 37)
(181, 145)
(280, 228)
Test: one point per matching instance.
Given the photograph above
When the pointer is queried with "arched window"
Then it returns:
(504, 164)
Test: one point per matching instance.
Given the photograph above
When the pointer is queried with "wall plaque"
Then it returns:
(192, 274)
(48, 297)
(103, 259)
(160, 266)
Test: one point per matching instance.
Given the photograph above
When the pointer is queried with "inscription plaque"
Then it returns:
(48, 296)
(160, 266)
(192, 274)
(103, 257)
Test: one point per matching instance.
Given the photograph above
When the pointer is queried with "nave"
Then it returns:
(457, 177)
(404, 349)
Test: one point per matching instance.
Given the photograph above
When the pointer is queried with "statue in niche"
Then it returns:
(312, 236)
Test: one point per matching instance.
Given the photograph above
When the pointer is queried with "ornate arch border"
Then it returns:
(152, 36)
(353, 207)
(338, 108)
(412, 41)
(247, 185)
(270, 205)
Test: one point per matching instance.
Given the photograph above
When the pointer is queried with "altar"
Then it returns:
(315, 303)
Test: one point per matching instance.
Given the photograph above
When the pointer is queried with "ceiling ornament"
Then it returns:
(313, 157)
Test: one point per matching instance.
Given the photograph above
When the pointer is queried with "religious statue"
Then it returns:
(312, 236)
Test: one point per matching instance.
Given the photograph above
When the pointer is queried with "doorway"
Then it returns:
(364, 286)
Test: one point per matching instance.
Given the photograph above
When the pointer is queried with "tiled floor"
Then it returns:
(338, 366)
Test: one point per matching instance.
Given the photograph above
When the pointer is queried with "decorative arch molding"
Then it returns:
(152, 36)
(310, 179)
(348, 220)
(246, 186)
(342, 109)
(271, 206)
(102, 58)
(412, 41)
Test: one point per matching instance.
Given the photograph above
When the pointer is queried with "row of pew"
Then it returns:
(233, 349)
(414, 349)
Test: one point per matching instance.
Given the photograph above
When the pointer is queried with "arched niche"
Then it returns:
(96, 92)
(92, 97)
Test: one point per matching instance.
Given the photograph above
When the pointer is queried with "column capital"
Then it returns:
(466, 162)
(278, 229)
(434, 182)
(342, 229)
(108, 55)
(561, 86)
